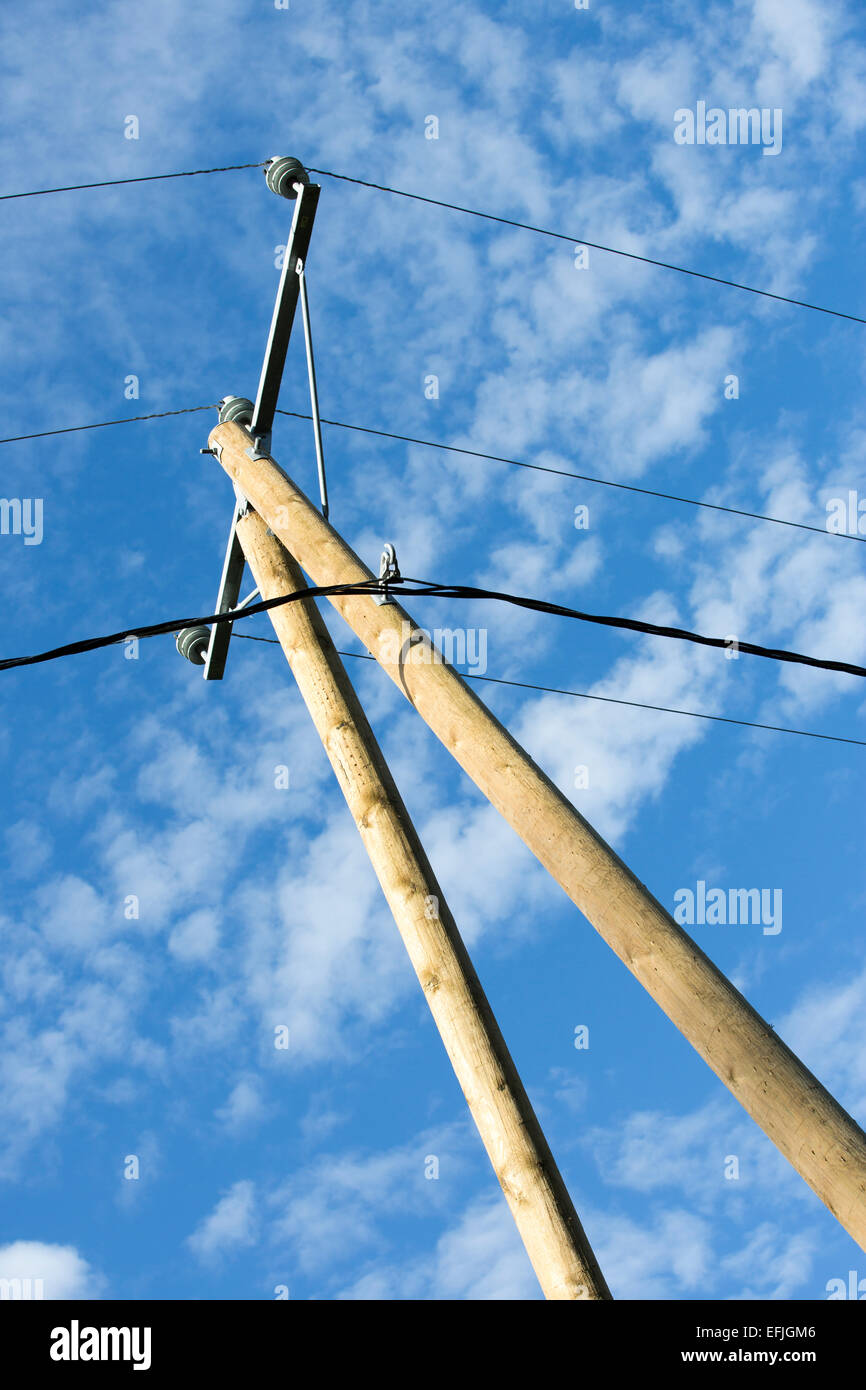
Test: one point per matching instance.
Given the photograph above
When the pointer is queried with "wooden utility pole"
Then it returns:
(792, 1107)
(542, 1209)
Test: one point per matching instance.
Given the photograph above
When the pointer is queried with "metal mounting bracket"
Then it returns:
(260, 447)
(227, 599)
(243, 503)
(388, 569)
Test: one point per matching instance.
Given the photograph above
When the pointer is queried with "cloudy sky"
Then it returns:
(167, 902)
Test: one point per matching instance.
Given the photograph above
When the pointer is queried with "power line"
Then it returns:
(583, 477)
(114, 183)
(92, 644)
(428, 589)
(103, 424)
(606, 699)
(470, 453)
(454, 207)
(631, 624)
(596, 246)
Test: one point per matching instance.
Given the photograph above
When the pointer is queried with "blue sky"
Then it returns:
(152, 1036)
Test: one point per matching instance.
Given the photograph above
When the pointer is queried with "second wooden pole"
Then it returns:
(803, 1120)
(542, 1209)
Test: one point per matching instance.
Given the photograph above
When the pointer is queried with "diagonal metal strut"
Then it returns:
(284, 310)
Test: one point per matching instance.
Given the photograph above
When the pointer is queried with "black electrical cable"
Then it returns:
(102, 424)
(606, 699)
(453, 207)
(632, 625)
(92, 644)
(427, 589)
(583, 477)
(470, 453)
(596, 246)
(115, 183)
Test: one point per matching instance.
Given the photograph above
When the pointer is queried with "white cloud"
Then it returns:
(211, 1021)
(725, 1228)
(244, 1108)
(336, 1211)
(698, 1233)
(72, 915)
(196, 937)
(668, 1255)
(63, 1043)
(653, 1151)
(825, 1028)
(506, 886)
(29, 847)
(230, 1226)
(774, 1263)
(627, 753)
(478, 1258)
(321, 954)
(63, 1272)
(482, 1257)
(797, 32)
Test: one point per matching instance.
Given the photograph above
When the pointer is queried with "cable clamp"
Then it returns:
(388, 569)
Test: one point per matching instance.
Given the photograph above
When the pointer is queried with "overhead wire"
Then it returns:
(424, 588)
(583, 477)
(115, 183)
(518, 463)
(594, 245)
(606, 699)
(453, 591)
(92, 644)
(466, 591)
(103, 424)
(469, 453)
(455, 207)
